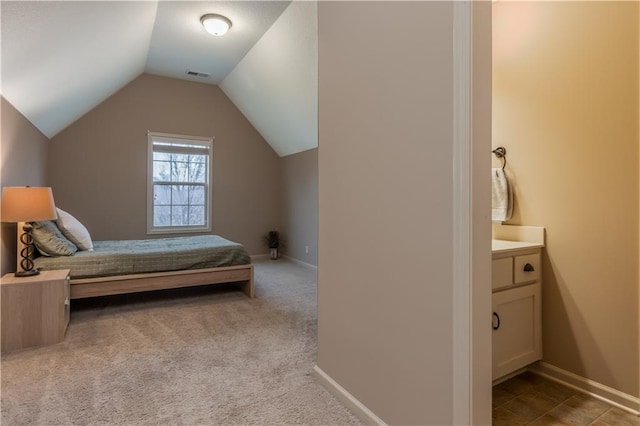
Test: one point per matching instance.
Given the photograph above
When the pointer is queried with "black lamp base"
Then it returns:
(29, 273)
(25, 267)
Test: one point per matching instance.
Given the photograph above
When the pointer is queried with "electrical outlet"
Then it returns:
(306, 249)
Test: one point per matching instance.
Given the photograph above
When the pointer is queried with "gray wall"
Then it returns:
(385, 294)
(481, 347)
(98, 165)
(300, 205)
(24, 154)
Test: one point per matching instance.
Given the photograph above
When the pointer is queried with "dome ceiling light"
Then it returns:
(216, 25)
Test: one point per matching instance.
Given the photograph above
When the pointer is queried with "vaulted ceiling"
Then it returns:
(60, 59)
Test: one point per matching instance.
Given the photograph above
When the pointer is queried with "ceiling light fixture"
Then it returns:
(216, 25)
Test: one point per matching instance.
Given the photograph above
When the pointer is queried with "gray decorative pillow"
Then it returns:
(50, 241)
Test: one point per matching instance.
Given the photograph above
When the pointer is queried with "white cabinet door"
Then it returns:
(517, 338)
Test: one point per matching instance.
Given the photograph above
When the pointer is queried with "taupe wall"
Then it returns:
(565, 105)
(24, 154)
(481, 351)
(98, 165)
(385, 206)
(300, 205)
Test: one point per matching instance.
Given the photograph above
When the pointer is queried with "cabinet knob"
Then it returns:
(496, 321)
(529, 268)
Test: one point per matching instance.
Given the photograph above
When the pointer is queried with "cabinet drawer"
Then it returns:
(526, 268)
(501, 273)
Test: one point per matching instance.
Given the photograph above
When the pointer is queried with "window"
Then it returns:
(179, 195)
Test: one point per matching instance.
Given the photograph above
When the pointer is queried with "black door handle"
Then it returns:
(496, 325)
(528, 268)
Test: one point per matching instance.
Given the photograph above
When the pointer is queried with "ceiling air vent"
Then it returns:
(198, 74)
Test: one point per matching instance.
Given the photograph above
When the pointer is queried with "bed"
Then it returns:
(128, 266)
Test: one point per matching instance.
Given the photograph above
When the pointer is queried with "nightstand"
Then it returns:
(35, 310)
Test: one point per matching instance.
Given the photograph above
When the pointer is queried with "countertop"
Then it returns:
(502, 246)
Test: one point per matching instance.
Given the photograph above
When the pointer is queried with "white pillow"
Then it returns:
(74, 230)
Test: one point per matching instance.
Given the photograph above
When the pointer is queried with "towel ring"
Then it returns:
(501, 152)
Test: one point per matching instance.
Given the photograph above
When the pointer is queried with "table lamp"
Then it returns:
(25, 204)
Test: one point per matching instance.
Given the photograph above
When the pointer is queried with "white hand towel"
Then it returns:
(501, 196)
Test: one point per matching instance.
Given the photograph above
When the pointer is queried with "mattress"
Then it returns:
(126, 257)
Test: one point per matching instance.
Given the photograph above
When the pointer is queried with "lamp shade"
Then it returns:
(27, 204)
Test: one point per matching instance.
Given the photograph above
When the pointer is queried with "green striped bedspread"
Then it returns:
(154, 255)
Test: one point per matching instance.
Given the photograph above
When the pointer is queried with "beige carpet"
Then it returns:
(204, 355)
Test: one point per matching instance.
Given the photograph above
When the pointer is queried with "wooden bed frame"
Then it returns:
(242, 275)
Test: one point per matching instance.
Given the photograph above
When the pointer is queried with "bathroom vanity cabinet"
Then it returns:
(516, 300)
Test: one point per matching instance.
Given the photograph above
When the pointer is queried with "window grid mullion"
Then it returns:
(167, 183)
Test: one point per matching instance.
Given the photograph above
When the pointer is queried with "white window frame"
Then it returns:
(171, 138)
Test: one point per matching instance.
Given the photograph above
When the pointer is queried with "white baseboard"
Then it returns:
(293, 259)
(283, 256)
(597, 390)
(357, 407)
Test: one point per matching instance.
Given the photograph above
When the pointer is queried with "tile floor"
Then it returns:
(529, 399)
